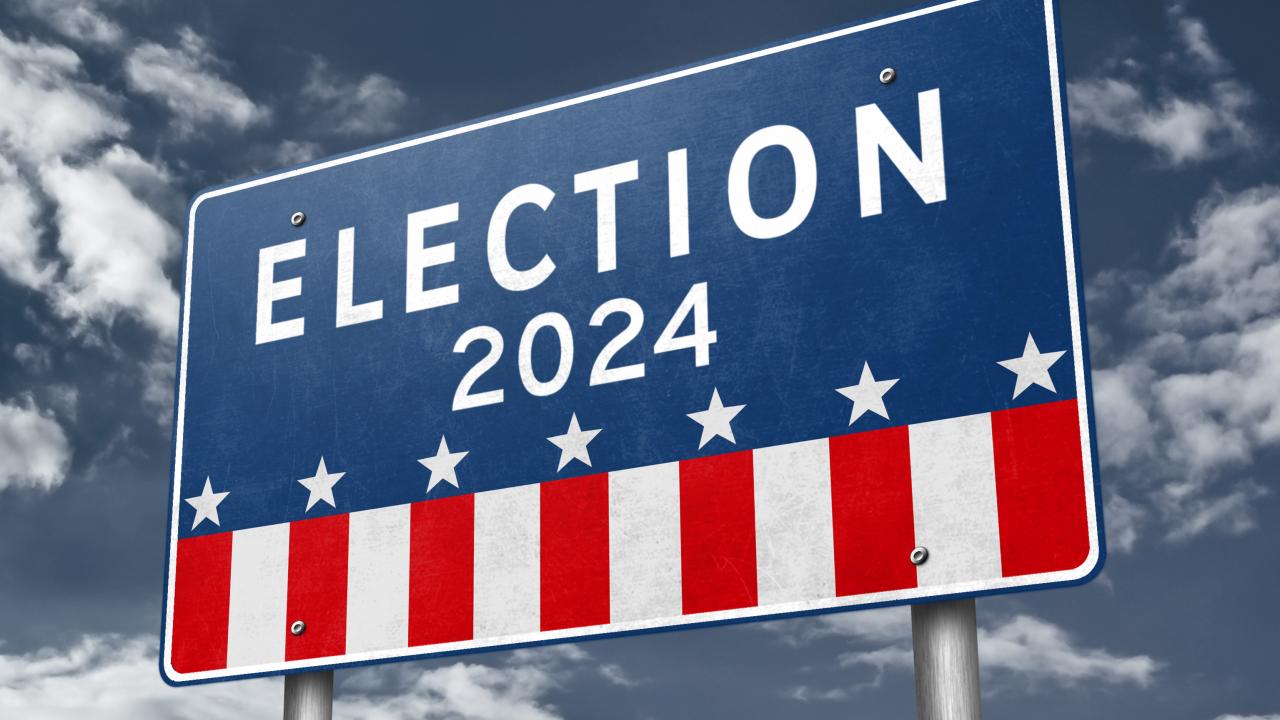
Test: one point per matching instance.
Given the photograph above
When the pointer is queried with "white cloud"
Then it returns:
(109, 677)
(808, 694)
(369, 106)
(63, 400)
(115, 678)
(113, 242)
(1125, 521)
(1031, 650)
(615, 674)
(1037, 650)
(20, 256)
(1248, 717)
(1182, 130)
(158, 374)
(185, 79)
(889, 657)
(1019, 649)
(1211, 122)
(1184, 412)
(49, 110)
(1194, 37)
(78, 20)
(34, 452)
(461, 690)
(874, 626)
(294, 152)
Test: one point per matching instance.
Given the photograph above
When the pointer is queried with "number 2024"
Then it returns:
(699, 340)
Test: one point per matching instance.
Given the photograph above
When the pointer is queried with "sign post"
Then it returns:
(309, 695)
(944, 639)
(793, 331)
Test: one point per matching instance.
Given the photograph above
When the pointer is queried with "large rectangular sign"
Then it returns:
(790, 331)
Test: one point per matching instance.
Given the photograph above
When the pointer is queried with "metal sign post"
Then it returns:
(944, 638)
(309, 696)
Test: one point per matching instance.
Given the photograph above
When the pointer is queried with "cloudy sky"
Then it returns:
(113, 114)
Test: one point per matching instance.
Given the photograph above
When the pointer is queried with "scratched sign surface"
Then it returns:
(773, 334)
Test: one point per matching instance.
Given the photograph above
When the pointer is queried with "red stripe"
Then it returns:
(1040, 488)
(441, 564)
(317, 592)
(201, 597)
(871, 514)
(574, 527)
(718, 533)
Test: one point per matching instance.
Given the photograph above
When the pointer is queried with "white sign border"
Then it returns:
(1091, 565)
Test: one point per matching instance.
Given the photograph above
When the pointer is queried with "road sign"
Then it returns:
(790, 331)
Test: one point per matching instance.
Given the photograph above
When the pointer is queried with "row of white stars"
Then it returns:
(1032, 368)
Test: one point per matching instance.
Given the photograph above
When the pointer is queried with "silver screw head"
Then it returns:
(297, 219)
(919, 555)
(297, 627)
(888, 75)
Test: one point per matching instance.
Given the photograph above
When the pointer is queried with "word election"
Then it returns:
(875, 134)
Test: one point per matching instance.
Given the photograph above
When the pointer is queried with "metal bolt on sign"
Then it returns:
(888, 75)
(919, 555)
(297, 627)
(297, 219)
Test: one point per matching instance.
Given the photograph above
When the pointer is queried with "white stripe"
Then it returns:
(644, 543)
(507, 556)
(378, 579)
(259, 591)
(953, 493)
(795, 554)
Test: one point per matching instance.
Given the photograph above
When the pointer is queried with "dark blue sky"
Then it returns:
(112, 114)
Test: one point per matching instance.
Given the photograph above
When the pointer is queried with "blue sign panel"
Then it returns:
(789, 331)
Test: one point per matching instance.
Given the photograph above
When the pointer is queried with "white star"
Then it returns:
(868, 394)
(206, 505)
(443, 465)
(1032, 368)
(321, 485)
(573, 443)
(715, 419)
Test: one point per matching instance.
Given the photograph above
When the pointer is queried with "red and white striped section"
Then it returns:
(999, 500)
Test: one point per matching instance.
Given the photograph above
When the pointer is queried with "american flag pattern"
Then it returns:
(994, 497)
